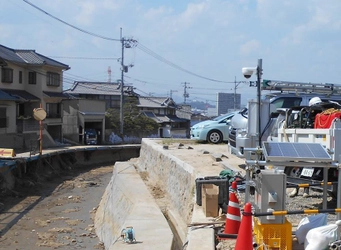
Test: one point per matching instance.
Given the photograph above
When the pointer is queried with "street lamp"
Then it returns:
(247, 72)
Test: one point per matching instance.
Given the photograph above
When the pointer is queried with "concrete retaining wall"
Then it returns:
(122, 206)
(176, 177)
(127, 202)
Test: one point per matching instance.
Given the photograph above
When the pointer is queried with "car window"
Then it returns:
(287, 102)
(219, 118)
(327, 100)
(228, 119)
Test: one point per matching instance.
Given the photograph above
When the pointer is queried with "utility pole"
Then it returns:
(126, 43)
(236, 84)
(109, 74)
(171, 93)
(122, 84)
(186, 94)
(259, 78)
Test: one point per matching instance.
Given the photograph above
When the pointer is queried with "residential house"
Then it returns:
(93, 115)
(108, 92)
(79, 115)
(163, 110)
(29, 81)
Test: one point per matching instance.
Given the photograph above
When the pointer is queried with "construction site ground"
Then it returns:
(57, 212)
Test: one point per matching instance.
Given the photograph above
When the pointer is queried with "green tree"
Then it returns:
(135, 124)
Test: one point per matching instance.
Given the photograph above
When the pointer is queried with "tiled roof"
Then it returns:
(96, 88)
(156, 102)
(163, 118)
(28, 57)
(158, 119)
(174, 118)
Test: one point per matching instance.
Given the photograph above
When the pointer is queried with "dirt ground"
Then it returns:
(207, 159)
(56, 213)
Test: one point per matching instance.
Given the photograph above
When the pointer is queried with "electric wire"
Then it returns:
(70, 25)
(139, 45)
(162, 59)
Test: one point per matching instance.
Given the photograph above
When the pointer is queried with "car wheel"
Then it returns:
(292, 171)
(215, 137)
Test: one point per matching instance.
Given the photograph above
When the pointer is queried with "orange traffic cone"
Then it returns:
(232, 216)
(244, 239)
(233, 213)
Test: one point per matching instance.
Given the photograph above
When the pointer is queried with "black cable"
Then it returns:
(68, 24)
(139, 45)
(162, 59)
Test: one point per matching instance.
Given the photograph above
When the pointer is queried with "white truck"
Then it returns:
(244, 133)
(319, 123)
(295, 123)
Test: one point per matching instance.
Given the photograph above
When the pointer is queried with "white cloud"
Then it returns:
(249, 47)
(213, 38)
(154, 14)
(187, 18)
(85, 15)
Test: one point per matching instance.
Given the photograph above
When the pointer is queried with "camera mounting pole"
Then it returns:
(247, 72)
(259, 78)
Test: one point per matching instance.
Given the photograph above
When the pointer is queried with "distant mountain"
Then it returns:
(199, 105)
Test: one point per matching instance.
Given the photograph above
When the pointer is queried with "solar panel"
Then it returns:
(295, 151)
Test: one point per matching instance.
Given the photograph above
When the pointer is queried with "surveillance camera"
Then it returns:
(247, 72)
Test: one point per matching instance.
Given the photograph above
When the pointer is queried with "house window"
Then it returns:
(7, 75)
(170, 112)
(32, 77)
(114, 103)
(3, 118)
(20, 76)
(53, 110)
(20, 109)
(52, 79)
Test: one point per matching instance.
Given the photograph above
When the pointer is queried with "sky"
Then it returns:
(203, 43)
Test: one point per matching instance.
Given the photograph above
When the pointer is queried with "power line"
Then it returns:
(72, 26)
(162, 59)
(139, 45)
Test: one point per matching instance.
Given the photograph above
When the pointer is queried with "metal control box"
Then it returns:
(270, 195)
